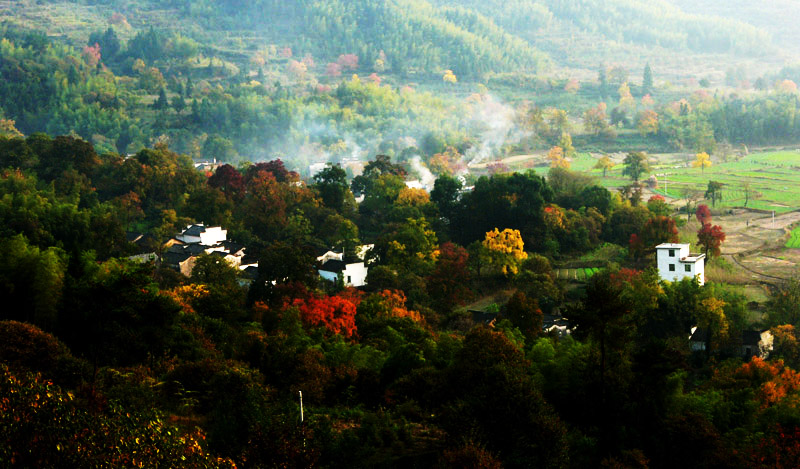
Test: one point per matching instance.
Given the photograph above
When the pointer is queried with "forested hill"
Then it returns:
(647, 23)
(470, 37)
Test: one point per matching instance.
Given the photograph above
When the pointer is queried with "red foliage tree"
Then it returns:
(92, 55)
(703, 214)
(447, 284)
(348, 61)
(710, 237)
(333, 70)
(228, 180)
(334, 313)
(276, 167)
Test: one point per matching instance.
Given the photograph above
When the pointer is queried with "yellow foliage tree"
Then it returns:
(702, 161)
(449, 77)
(647, 122)
(411, 197)
(556, 157)
(506, 250)
(605, 164)
(712, 318)
(626, 100)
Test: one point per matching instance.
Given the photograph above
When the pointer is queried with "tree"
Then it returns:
(647, 80)
(594, 119)
(162, 102)
(602, 80)
(711, 317)
(703, 214)
(635, 165)
(565, 142)
(448, 283)
(335, 313)
(449, 77)
(647, 122)
(658, 230)
(605, 163)
(714, 192)
(702, 161)
(331, 184)
(556, 157)
(710, 237)
(524, 313)
(783, 306)
(506, 250)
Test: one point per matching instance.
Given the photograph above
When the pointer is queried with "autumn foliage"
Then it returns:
(335, 313)
(711, 238)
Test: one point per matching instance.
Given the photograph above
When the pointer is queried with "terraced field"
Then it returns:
(580, 274)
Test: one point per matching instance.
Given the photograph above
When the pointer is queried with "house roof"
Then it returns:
(671, 246)
(751, 338)
(333, 265)
(692, 258)
(699, 335)
(232, 247)
(176, 258)
(482, 316)
(133, 237)
(194, 230)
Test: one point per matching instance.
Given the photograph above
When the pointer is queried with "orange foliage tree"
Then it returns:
(335, 313)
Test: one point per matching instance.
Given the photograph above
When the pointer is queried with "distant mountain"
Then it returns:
(470, 37)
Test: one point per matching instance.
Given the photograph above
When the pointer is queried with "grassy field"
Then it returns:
(794, 239)
(771, 178)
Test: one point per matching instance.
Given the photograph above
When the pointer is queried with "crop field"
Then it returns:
(766, 181)
(579, 274)
(794, 239)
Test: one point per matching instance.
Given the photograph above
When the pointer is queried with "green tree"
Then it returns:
(162, 103)
(636, 164)
(647, 80)
(331, 184)
(714, 192)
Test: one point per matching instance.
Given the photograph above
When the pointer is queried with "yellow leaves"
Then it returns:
(449, 77)
(411, 197)
(506, 250)
(556, 157)
(702, 161)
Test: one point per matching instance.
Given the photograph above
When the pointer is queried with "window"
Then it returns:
(671, 253)
(688, 267)
(672, 267)
(348, 279)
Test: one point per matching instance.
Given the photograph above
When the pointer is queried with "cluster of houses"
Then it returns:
(181, 252)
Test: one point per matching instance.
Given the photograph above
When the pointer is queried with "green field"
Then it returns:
(773, 178)
(794, 239)
(579, 274)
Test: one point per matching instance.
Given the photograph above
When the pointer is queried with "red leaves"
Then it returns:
(710, 237)
(703, 214)
(335, 313)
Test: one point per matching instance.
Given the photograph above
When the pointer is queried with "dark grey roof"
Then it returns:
(250, 272)
(249, 259)
(195, 230)
(218, 254)
(751, 338)
(482, 317)
(175, 258)
(132, 237)
(194, 249)
(700, 335)
(333, 265)
(232, 247)
(549, 320)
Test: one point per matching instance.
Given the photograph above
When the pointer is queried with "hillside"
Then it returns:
(470, 37)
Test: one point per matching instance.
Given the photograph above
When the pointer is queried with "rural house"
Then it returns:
(675, 262)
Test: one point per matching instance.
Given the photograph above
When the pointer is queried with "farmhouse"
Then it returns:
(353, 272)
(675, 262)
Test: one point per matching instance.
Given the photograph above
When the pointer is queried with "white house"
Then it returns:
(353, 274)
(201, 234)
(675, 262)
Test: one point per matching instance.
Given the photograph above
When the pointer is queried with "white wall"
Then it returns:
(664, 260)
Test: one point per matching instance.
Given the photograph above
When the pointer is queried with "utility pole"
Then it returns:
(301, 407)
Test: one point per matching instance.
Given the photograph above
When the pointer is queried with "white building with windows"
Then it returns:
(675, 262)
